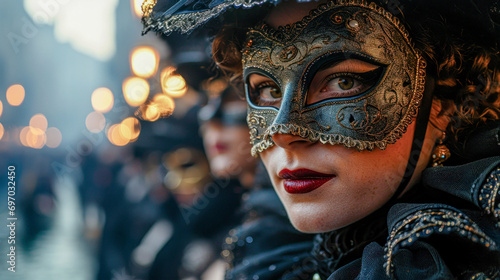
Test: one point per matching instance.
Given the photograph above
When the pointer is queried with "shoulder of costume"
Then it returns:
(470, 231)
(477, 182)
(425, 222)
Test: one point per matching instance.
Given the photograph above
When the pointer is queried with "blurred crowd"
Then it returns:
(163, 206)
(167, 202)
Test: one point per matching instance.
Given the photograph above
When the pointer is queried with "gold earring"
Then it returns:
(441, 153)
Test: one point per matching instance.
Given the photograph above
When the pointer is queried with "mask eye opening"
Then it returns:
(250, 92)
(329, 60)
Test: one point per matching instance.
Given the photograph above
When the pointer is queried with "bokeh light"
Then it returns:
(102, 100)
(165, 104)
(115, 136)
(161, 106)
(172, 83)
(95, 122)
(137, 7)
(38, 124)
(15, 95)
(22, 135)
(35, 138)
(1, 108)
(144, 61)
(152, 113)
(135, 91)
(2, 131)
(54, 137)
(130, 128)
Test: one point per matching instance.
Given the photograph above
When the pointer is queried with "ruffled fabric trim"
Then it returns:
(314, 136)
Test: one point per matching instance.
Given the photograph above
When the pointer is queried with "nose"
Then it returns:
(290, 142)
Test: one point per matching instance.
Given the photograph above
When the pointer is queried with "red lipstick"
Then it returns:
(218, 148)
(303, 180)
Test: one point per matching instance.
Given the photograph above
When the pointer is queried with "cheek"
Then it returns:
(385, 168)
(243, 138)
(270, 157)
(206, 137)
(208, 141)
(265, 158)
(378, 177)
(238, 139)
(236, 135)
(382, 173)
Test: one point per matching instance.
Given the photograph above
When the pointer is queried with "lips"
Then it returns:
(303, 180)
(219, 148)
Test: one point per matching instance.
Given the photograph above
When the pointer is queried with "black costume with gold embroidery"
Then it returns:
(447, 226)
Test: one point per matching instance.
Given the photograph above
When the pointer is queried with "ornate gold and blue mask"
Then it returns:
(308, 87)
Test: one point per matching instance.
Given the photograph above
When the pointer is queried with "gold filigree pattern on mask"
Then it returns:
(347, 29)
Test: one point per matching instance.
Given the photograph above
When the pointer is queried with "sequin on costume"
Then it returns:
(489, 195)
(439, 220)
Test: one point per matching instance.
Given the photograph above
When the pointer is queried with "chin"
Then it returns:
(220, 171)
(316, 222)
(310, 225)
(309, 218)
(223, 166)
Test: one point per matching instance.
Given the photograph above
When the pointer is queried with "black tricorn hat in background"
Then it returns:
(191, 56)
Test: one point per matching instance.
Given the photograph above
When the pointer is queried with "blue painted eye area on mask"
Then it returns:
(346, 74)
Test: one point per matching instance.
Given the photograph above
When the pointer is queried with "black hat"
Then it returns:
(479, 18)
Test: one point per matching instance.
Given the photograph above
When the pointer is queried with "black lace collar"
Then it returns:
(337, 248)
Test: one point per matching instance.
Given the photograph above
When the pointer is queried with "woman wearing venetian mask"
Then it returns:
(353, 108)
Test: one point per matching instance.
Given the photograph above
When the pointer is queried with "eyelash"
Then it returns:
(364, 78)
(356, 77)
(256, 93)
(264, 85)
